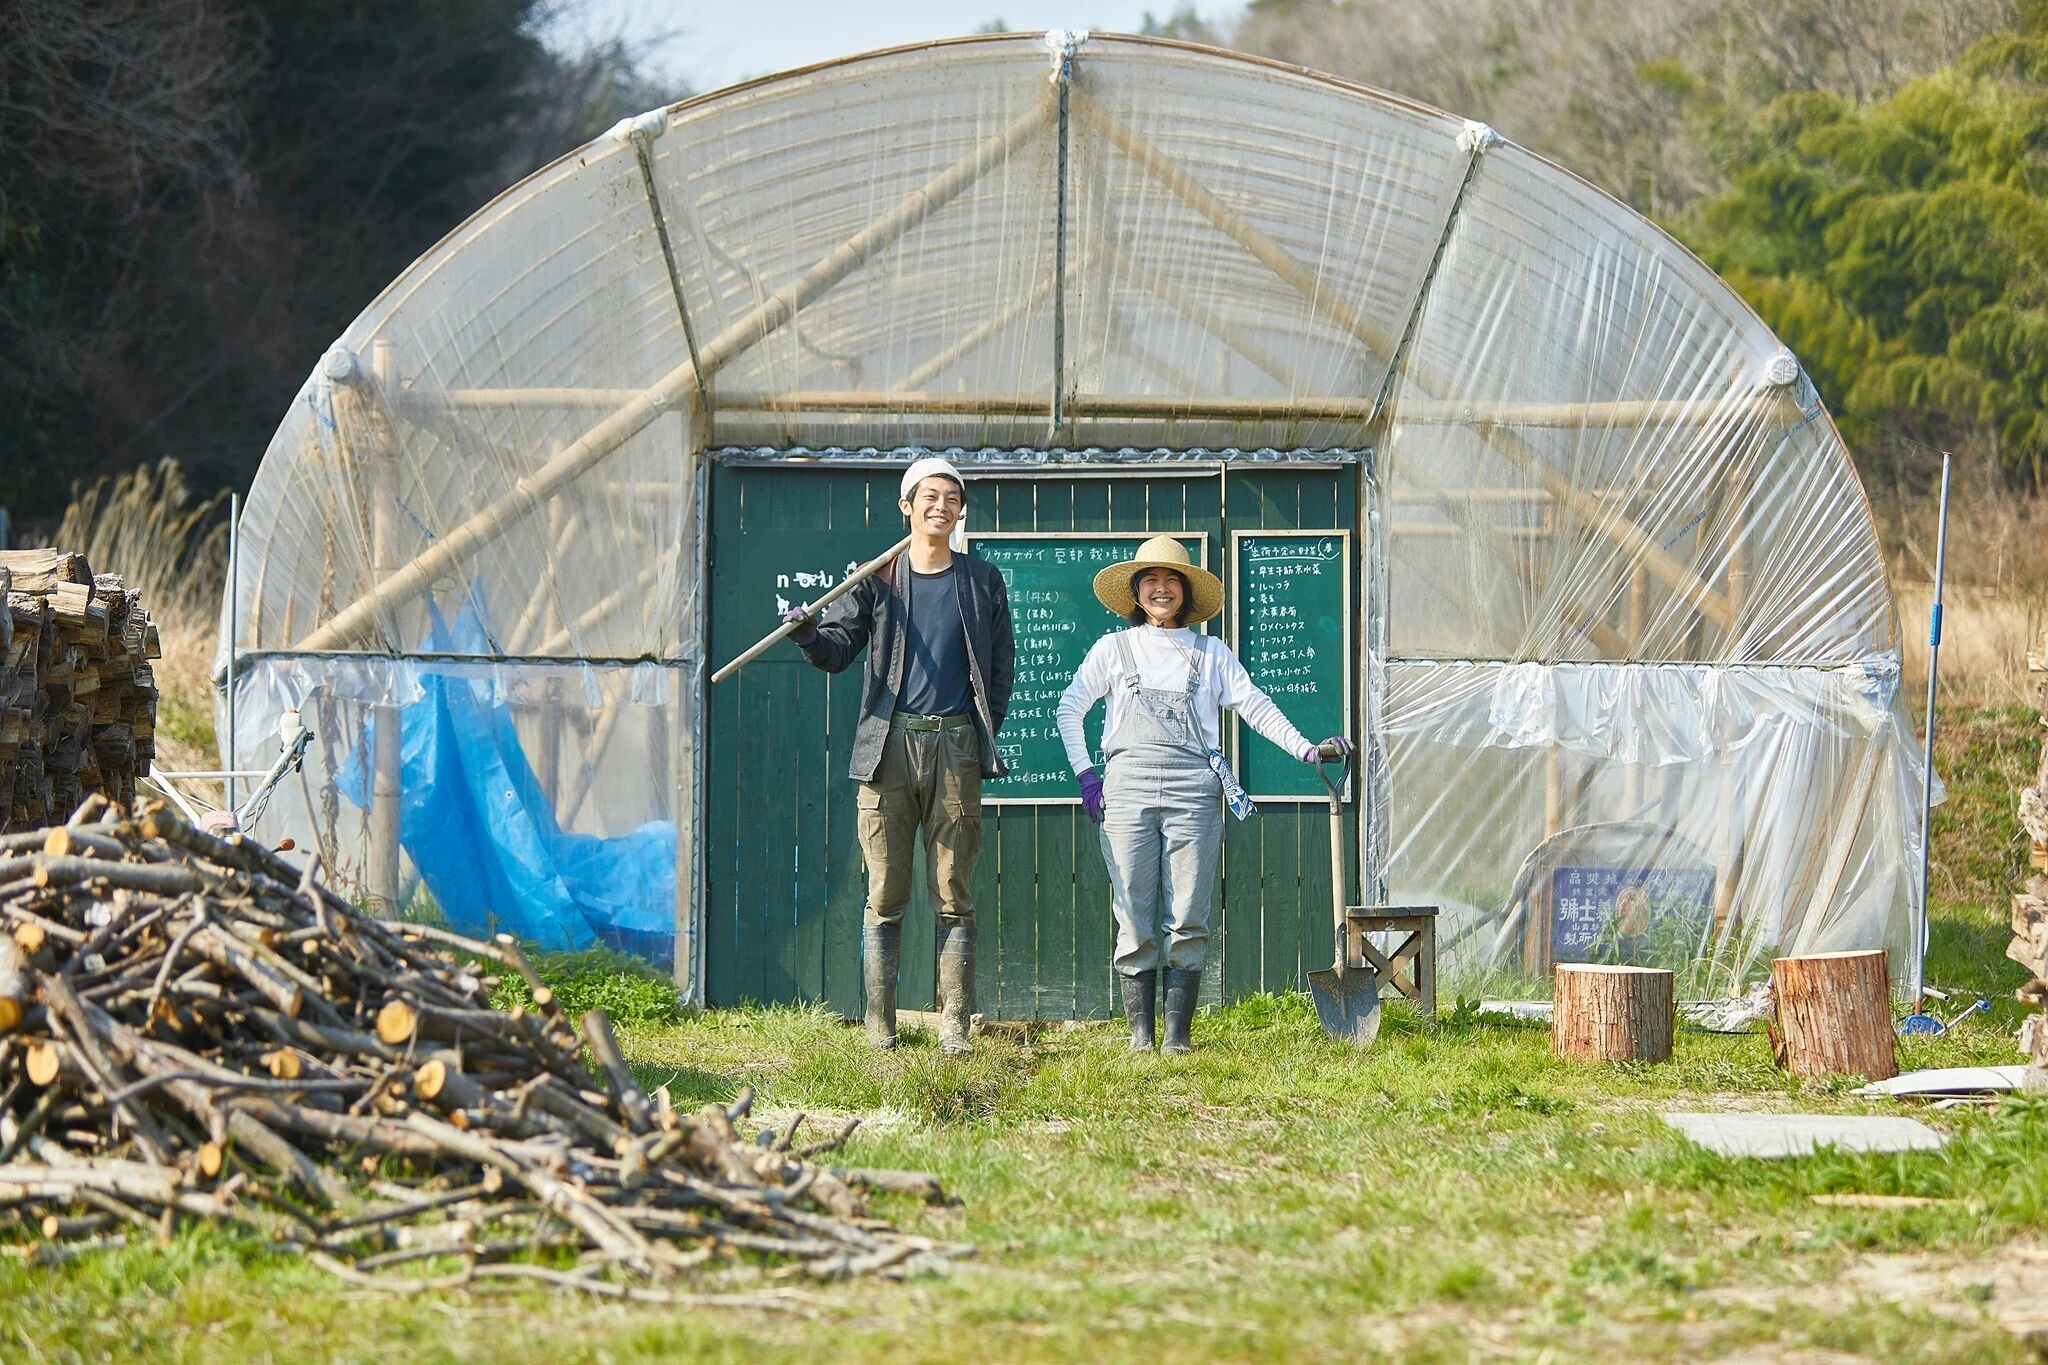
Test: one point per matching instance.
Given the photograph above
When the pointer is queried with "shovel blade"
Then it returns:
(1347, 1004)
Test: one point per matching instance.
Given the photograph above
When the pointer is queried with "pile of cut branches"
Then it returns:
(192, 1028)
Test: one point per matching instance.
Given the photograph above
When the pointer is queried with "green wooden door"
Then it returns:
(785, 881)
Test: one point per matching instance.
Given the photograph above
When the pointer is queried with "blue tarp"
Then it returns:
(483, 834)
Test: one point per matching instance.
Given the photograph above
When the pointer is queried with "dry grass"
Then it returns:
(147, 526)
(1995, 592)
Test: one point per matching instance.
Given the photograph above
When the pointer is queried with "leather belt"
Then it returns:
(910, 720)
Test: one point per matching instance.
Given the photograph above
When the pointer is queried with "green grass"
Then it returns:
(1453, 1194)
(1979, 854)
(630, 990)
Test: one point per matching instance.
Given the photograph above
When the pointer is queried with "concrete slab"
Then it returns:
(1783, 1135)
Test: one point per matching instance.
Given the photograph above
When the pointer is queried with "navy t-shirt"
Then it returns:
(936, 681)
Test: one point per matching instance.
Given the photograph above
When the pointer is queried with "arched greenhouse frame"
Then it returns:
(1605, 596)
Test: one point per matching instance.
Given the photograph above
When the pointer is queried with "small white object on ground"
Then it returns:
(1783, 1135)
(1948, 1080)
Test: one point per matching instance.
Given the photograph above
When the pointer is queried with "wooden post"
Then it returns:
(680, 385)
(1603, 1013)
(1835, 1014)
(385, 843)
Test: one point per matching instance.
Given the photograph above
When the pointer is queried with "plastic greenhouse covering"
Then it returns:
(1625, 630)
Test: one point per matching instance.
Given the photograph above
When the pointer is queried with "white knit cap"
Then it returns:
(924, 469)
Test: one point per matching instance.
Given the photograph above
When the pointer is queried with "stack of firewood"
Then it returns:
(77, 696)
(192, 1028)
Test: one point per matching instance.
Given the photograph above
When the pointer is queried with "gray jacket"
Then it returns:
(871, 617)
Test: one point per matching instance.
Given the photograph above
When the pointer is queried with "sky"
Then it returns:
(709, 43)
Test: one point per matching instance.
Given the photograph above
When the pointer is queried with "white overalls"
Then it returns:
(1162, 825)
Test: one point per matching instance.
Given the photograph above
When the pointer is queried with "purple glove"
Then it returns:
(1091, 794)
(1331, 750)
(806, 625)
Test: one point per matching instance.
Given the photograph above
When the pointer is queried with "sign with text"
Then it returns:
(1635, 916)
(1291, 627)
(1051, 582)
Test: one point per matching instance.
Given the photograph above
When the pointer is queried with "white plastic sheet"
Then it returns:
(1622, 572)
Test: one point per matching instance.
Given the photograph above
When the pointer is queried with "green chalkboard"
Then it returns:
(1290, 616)
(1051, 579)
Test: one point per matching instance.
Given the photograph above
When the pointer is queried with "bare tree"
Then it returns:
(1627, 92)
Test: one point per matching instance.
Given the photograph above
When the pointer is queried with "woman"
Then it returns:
(1160, 803)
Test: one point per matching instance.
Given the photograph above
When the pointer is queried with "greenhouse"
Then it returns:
(1497, 476)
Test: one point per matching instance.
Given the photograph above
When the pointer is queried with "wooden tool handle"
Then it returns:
(1336, 790)
(788, 628)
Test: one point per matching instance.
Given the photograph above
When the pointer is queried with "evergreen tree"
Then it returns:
(1901, 249)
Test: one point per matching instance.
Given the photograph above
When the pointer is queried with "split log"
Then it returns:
(1835, 1014)
(1605, 1013)
(77, 697)
(17, 989)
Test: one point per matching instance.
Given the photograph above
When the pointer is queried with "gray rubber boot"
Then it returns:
(1140, 992)
(881, 954)
(956, 987)
(1181, 990)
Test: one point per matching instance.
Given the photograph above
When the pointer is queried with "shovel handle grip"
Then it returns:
(1337, 897)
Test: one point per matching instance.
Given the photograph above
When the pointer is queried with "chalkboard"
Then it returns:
(1051, 579)
(1291, 627)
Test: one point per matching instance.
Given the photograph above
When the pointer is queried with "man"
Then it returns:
(941, 658)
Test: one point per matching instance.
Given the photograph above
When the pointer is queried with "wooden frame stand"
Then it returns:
(1415, 951)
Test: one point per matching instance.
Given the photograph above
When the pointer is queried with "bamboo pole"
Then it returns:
(679, 386)
(603, 607)
(1208, 318)
(1269, 252)
(906, 397)
(386, 836)
(788, 628)
(1607, 522)
(974, 338)
(1492, 538)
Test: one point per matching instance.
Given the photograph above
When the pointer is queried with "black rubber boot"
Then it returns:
(1182, 988)
(881, 954)
(1140, 992)
(956, 987)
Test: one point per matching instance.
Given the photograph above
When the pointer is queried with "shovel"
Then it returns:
(1347, 997)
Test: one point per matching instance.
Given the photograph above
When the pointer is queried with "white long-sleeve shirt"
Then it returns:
(1223, 683)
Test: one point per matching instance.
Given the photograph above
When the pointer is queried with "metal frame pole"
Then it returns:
(234, 634)
(1927, 754)
(1063, 79)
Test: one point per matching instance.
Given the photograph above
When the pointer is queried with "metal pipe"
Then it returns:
(234, 631)
(1063, 80)
(1927, 754)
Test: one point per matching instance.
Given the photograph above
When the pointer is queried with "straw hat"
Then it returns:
(1205, 590)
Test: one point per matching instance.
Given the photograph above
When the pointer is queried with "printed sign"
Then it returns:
(1638, 916)
(1050, 577)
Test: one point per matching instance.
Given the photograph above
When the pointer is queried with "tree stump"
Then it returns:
(1603, 1013)
(1835, 1014)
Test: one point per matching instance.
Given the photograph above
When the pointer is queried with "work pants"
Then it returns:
(928, 780)
(1162, 837)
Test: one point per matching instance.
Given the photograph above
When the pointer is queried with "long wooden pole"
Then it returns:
(1480, 416)
(1280, 261)
(679, 386)
(788, 628)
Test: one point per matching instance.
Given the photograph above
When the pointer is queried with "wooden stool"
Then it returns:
(1416, 952)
